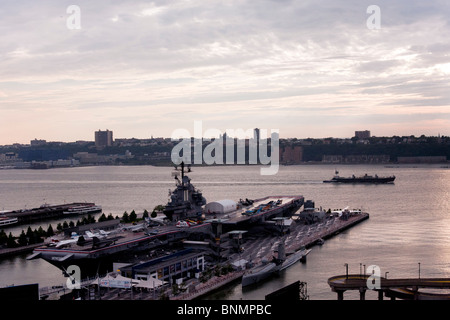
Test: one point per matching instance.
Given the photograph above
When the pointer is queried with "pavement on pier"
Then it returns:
(257, 248)
(195, 290)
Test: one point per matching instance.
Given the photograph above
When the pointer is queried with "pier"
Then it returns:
(300, 235)
(256, 249)
(407, 288)
(43, 212)
(209, 286)
(8, 252)
(218, 232)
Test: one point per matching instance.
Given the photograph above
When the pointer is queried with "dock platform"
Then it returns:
(262, 247)
(43, 212)
(407, 288)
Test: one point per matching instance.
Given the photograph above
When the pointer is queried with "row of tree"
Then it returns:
(316, 152)
(86, 220)
(30, 237)
(38, 235)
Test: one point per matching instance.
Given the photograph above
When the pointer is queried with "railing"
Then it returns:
(43, 291)
(210, 285)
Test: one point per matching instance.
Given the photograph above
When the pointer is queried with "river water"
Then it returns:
(409, 221)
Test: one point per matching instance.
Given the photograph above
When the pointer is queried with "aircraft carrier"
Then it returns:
(188, 217)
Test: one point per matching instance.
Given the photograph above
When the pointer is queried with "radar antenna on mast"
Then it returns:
(177, 171)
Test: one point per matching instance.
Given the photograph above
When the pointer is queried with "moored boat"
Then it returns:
(83, 209)
(259, 273)
(295, 257)
(5, 221)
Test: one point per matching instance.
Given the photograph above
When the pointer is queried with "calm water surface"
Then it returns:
(409, 220)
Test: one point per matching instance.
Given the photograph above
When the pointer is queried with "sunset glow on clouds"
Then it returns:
(141, 68)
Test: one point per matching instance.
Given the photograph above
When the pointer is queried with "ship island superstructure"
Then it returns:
(185, 200)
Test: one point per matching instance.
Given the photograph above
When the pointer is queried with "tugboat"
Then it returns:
(362, 179)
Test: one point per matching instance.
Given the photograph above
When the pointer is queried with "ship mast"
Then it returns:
(182, 173)
(185, 200)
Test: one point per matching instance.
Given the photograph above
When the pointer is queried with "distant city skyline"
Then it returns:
(308, 69)
(109, 137)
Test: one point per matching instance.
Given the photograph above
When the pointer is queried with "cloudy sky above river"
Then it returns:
(146, 68)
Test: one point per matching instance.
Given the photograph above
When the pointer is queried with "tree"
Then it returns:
(41, 232)
(157, 209)
(125, 217)
(217, 271)
(23, 239)
(3, 237)
(37, 238)
(50, 231)
(90, 219)
(145, 214)
(31, 236)
(29, 232)
(175, 289)
(11, 243)
(132, 216)
(102, 218)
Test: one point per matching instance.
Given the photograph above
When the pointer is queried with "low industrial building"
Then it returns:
(173, 268)
(220, 207)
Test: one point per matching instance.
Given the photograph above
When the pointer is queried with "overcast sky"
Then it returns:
(143, 68)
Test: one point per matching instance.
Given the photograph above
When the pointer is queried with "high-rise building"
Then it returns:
(37, 143)
(362, 134)
(291, 154)
(103, 138)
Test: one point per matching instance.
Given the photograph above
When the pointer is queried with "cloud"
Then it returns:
(223, 61)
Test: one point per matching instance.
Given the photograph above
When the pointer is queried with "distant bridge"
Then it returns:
(392, 288)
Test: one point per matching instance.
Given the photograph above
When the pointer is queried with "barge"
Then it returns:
(46, 211)
(361, 179)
